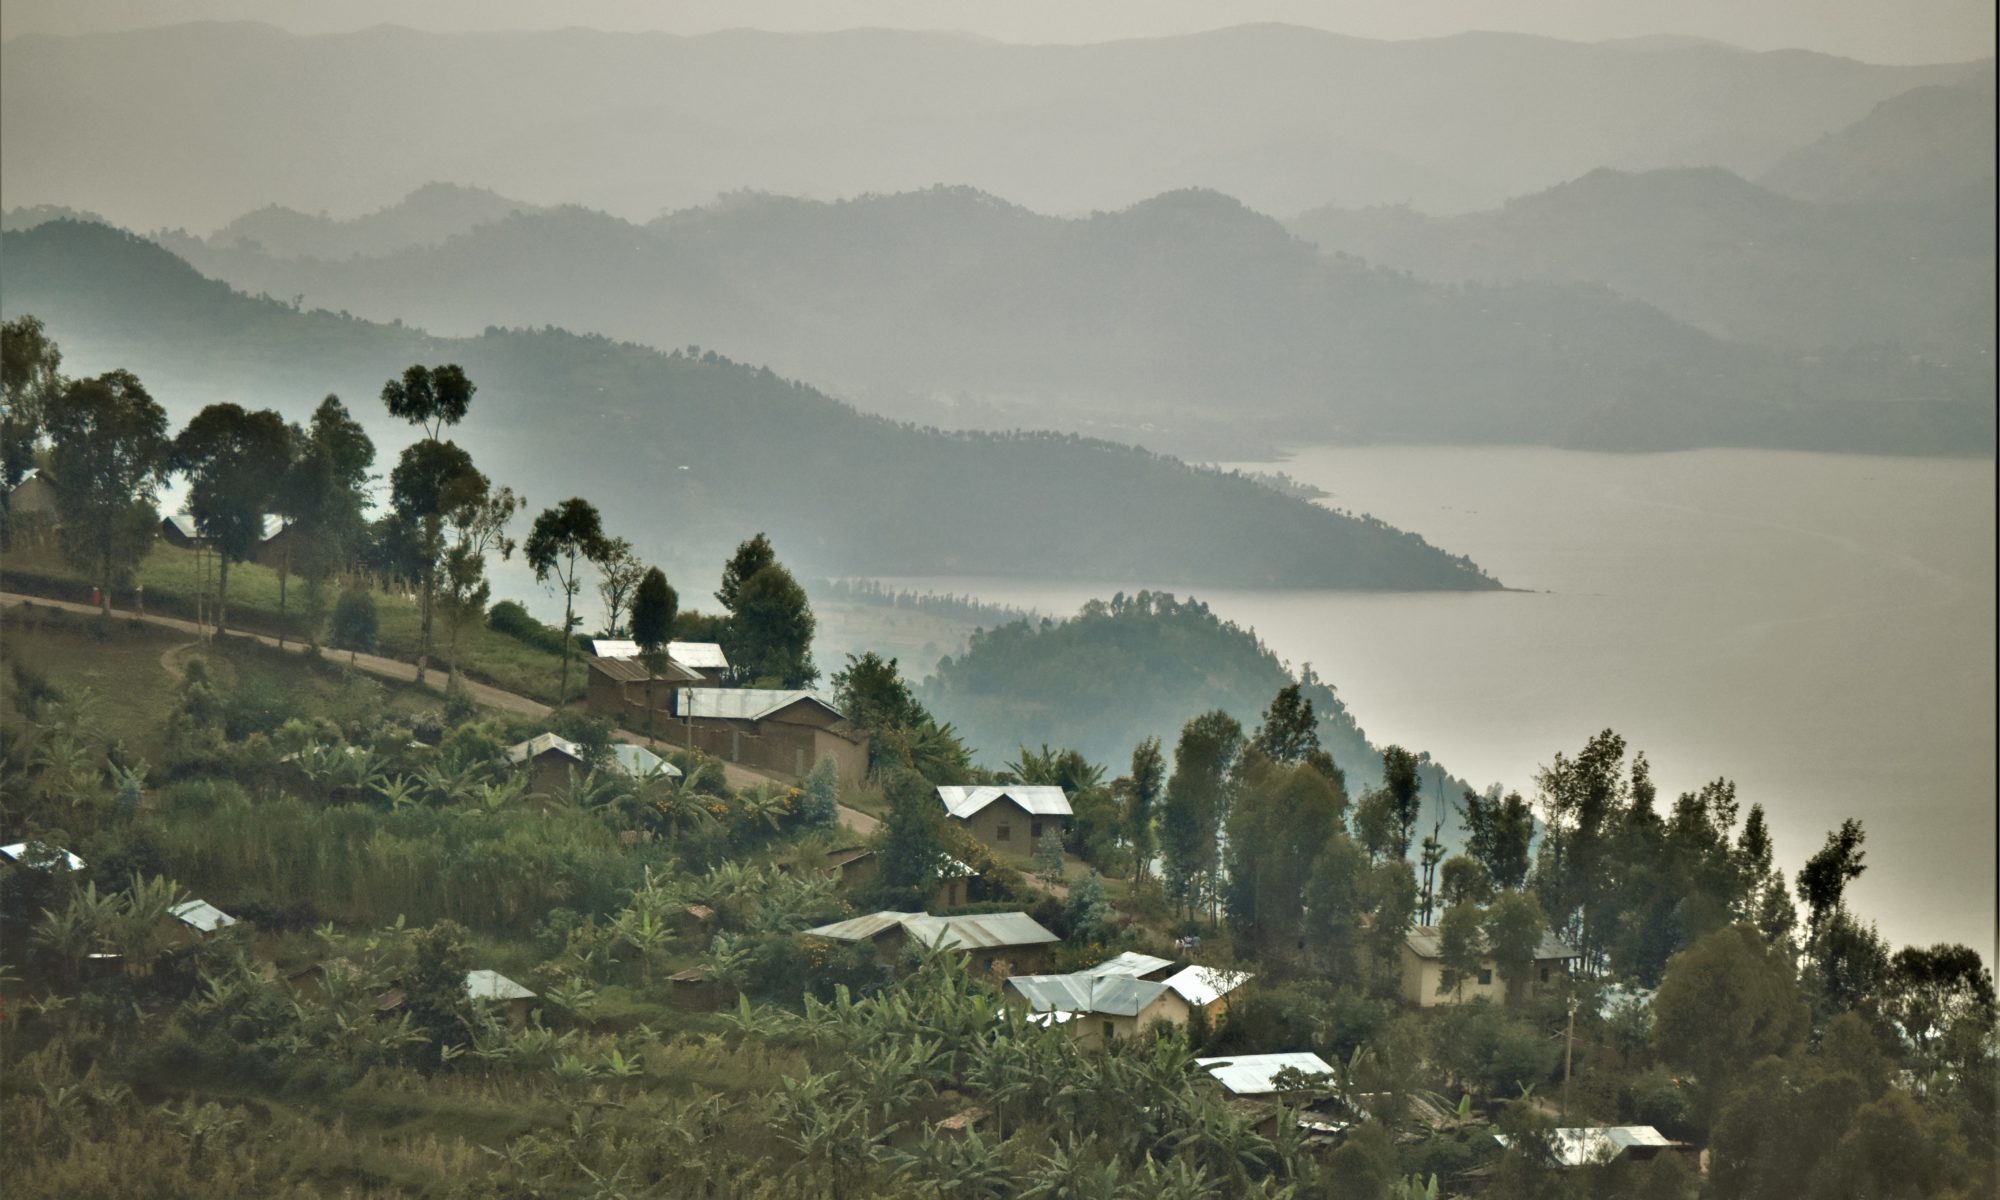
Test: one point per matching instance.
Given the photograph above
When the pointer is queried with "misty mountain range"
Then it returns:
(219, 119)
(686, 455)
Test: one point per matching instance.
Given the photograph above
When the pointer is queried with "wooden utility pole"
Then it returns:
(1569, 1049)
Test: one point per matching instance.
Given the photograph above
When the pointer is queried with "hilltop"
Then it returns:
(1282, 116)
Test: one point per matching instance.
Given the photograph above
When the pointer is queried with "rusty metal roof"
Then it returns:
(1425, 942)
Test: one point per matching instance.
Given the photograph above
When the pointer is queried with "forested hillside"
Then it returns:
(689, 450)
(1187, 320)
(1927, 145)
(1130, 668)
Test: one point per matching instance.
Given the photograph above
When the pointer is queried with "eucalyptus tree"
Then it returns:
(324, 495)
(236, 463)
(563, 539)
(109, 446)
(476, 517)
(430, 398)
(1142, 790)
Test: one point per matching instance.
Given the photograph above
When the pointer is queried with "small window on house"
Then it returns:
(1035, 831)
(1003, 833)
(1545, 974)
(1110, 1031)
(1485, 977)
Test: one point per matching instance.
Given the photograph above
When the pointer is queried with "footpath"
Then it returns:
(396, 669)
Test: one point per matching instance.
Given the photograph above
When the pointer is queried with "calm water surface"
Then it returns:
(1818, 628)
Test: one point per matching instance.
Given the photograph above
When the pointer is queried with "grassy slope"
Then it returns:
(170, 578)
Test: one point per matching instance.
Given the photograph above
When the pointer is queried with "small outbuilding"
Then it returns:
(491, 987)
(201, 917)
(550, 759)
(787, 732)
(1258, 1075)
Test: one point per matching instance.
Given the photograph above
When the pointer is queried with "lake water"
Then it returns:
(1818, 628)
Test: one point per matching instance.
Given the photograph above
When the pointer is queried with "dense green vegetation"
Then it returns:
(682, 450)
(361, 831)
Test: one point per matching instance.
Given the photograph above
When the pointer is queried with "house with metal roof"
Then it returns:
(858, 866)
(785, 731)
(550, 759)
(1207, 989)
(1422, 972)
(1008, 819)
(638, 762)
(1589, 1145)
(999, 943)
(1257, 1075)
(1099, 1008)
(1139, 966)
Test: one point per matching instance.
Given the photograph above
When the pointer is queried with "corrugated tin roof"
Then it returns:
(975, 932)
(1581, 1146)
(543, 743)
(1205, 985)
(1253, 1074)
(202, 915)
(633, 670)
(1110, 995)
(492, 985)
(863, 928)
(1042, 800)
(1131, 963)
(694, 656)
(744, 704)
(641, 763)
(1427, 943)
(183, 524)
(18, 850)
(701, 656)
(981, 931)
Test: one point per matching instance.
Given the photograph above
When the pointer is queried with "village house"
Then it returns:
(858, 866)
(200, 918)
(1000, 944)
(1008, 819)
(178, 529)
(551, 759)
(786, 732)
(1098, 1009)
(513, 1001)
(1254, 1083)
(627, 693)
(1422, 972)
(35, 495)
(1206, 989)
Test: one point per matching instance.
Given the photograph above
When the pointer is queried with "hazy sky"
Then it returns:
(1886, 31)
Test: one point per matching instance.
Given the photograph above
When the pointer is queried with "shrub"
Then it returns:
(510, 618)
(354, 624)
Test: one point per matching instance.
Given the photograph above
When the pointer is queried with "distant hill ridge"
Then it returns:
(425, 217)
(1282, 116)
(686, 454)
(1192, 321)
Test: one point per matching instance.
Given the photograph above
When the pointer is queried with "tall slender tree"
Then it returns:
(476, 517)
(618, 575)
(1141, 790)
(430, 398)
(109, 448)
(1197, 807)
(325, 495)
(654, 606)
(236, 463)
(427, 476)
(564, 538)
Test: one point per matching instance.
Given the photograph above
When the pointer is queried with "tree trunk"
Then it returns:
(221, 594)
(284, 574)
